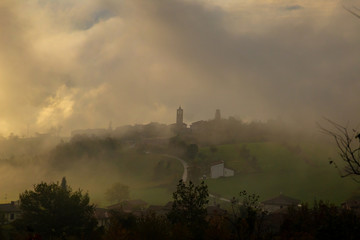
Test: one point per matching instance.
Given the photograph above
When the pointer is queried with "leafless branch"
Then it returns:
(348, 147)
(352, 12)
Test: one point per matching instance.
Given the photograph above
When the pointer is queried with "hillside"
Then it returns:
(91, 164)
(269, 168)
(299, 170)
(150, 176)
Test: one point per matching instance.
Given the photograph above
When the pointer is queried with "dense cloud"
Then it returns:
(81, 64)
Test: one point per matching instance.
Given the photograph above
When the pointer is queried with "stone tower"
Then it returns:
(217, 115)
(179, 116)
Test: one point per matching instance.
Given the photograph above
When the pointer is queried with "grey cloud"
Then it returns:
(288, 67)
(136, 61)
(293, 7)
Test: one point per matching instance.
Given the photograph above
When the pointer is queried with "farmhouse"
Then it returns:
(217, 169)
(352, 204)
(102, 216)
(279, 202)
(10, 211)
(160, 210)
(129, 205)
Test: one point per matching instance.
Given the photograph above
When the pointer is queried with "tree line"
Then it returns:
(54, 211)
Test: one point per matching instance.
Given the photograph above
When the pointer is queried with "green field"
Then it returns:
(300, 171)
(150, 177)
(139, 171)
(266, 168)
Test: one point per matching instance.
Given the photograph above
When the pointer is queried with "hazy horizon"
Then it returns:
(83, 64)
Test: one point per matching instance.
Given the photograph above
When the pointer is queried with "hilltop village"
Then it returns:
(133, 172)
(156, 129)
(183, 140)
(203, 132)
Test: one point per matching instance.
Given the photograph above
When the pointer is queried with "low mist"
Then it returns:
(90, 91)
(137, 156)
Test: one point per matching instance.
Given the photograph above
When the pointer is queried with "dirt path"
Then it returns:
(185, 165)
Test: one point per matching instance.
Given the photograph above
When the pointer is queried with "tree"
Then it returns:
(117, 193)
(191, 151)
(244, 152)
(348, 145)
(353, 12)
(189, 207)
(213, 149)
(63, 183)
(247, 216)
(194, 172)
(56, 212)
(322, 221)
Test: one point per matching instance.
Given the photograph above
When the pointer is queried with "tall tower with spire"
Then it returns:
(179, 116)
(217, 115)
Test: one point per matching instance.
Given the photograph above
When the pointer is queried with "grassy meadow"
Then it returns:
(151, 177)
(299, 170)
(269, 168)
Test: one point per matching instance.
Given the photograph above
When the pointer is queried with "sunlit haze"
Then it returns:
(82, 64)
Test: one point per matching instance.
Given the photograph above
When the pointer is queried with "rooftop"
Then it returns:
(9, 207)
(282, 200)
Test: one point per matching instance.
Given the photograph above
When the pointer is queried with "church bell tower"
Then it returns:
(179, 116)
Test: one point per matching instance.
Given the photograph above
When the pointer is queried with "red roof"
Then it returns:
(217, 163)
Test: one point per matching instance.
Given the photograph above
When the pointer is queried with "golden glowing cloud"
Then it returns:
(83, 63)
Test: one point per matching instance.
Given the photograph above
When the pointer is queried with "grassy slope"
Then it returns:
(305, 175)
(146, 178)
(137, 170)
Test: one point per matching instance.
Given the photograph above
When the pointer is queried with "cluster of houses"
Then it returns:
(9, 212)
(139, 207)
(178, 126)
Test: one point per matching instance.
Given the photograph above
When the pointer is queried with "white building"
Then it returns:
(217, 169)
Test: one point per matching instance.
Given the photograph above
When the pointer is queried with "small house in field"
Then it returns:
(102, 216)
(217, 169)
(279, 202)
(352, 204)
(10, 211)
(129, 206)
(160, 210)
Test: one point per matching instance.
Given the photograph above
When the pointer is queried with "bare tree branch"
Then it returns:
(352, 12)
(347, 145)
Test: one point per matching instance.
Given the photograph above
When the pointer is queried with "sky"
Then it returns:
(81, 64)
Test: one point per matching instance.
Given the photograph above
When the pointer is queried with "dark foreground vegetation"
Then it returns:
(54, 211)
(323, 221)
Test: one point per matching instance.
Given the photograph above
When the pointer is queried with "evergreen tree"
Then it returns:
(63, 183)
(56, 212)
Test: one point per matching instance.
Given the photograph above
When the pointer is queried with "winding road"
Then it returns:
(185, 165)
